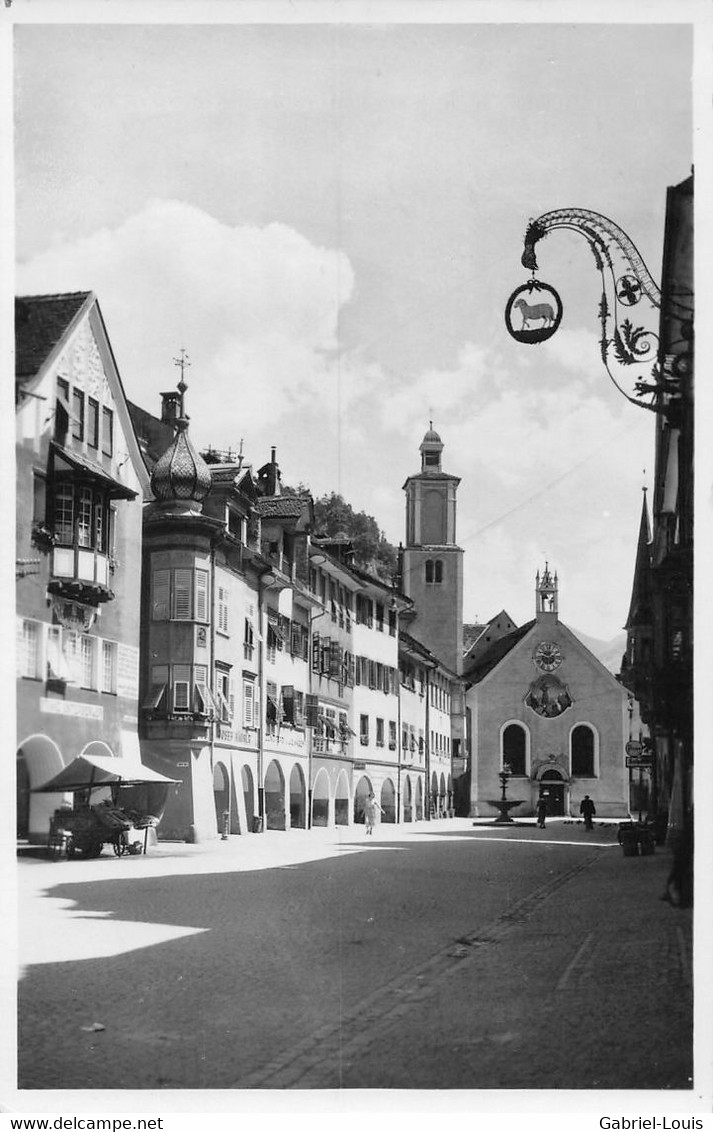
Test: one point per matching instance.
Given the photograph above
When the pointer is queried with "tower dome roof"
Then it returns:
(181, 476)
(432, 437)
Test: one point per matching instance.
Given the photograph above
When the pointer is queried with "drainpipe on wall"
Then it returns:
(427, 791)
(211, 678)
(310, 678)
(261, 709)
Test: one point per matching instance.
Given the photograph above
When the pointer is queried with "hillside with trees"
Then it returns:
(334, 518)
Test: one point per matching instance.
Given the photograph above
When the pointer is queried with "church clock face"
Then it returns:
(547, 656)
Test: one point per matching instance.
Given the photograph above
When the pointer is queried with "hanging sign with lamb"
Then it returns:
(533, 312)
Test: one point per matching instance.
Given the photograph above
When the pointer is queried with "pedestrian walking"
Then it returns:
(542, 809)
(371, 808)
(587, 810)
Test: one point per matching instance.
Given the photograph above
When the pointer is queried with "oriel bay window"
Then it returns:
(81, 522)
(80, 513)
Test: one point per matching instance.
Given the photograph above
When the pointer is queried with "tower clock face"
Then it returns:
(547, 656)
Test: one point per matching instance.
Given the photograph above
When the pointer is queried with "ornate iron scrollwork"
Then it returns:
(626, 281)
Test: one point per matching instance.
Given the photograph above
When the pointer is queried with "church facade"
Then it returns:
(541, 705)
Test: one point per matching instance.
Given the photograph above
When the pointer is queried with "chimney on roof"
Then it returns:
(170, 405)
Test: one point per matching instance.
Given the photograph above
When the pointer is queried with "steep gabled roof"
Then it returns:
(153, 434)
(497, 651)
(41, 322)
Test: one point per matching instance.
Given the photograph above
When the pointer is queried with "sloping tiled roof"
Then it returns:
(40, 323)
(497, 651)
(280, 507)
(154, 435)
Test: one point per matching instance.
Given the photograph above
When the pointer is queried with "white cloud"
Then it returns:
(540, 451)
(255, 308)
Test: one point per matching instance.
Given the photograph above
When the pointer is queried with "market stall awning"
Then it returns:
(87, 771)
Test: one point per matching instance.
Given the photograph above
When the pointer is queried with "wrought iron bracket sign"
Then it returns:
(627, 343)
(533, 312)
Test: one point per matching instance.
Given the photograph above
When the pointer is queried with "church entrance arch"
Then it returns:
(552, 787)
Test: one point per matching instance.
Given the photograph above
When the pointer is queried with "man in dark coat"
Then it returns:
(587, 810)
(542, 809)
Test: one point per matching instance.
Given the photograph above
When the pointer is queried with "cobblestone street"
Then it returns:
(439, 956)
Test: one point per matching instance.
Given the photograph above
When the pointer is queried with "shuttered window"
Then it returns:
(222, 609)
(248, 703)
(311, 710)
(201, 595)
(161, 594)
(182, 586)
(182, 687)
(288, 703)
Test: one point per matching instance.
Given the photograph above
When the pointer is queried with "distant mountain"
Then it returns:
(609, 653)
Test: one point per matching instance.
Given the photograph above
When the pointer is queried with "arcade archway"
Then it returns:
(221, 795)
(341, 800)
(248, 788)
(274, 796)
(363, 789)
(298, 797)
(388, 802)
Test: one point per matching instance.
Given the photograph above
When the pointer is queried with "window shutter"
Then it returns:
(161, 594)
(335, 660)
(200, 694)
(316, 654)
(372, 674)
(182, 581)
(181, 691)
(299, 709)
(311, 710)
(288, 703)
(201, 595)
(248, 704)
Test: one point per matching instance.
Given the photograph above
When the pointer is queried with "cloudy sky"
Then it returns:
(329, 218)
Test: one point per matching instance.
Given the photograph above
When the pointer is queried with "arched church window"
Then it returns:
(429, 570)
(438, 570)
(515, 748)
(582, 751)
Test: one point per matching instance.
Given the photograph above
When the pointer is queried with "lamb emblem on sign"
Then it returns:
(536, 321)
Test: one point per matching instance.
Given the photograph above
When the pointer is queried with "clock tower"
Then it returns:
(431, 561)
